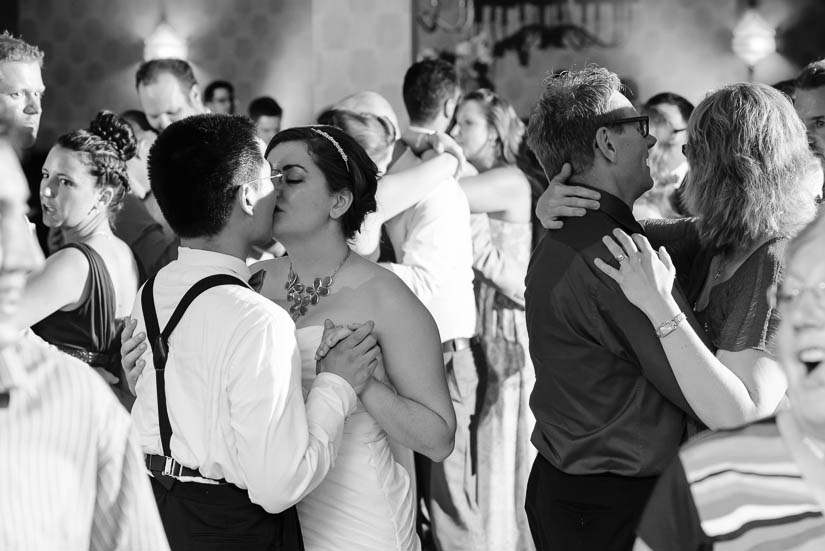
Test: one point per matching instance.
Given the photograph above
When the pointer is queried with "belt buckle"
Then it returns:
(169, 466)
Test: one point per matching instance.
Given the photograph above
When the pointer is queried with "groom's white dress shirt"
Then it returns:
(233, 388)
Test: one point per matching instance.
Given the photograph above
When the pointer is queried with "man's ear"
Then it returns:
(195, 95)
(450, 107)
(605, 144)
(247, 198)
(341, 202)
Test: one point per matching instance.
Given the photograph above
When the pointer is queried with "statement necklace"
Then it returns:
(303, 296)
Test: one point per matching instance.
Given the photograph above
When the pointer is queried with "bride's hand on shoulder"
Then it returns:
(645, 276)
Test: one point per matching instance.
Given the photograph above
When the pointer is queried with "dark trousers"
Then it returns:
(584, 512)
(205, 517)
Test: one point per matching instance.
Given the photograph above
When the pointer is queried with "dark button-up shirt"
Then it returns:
(605, 399)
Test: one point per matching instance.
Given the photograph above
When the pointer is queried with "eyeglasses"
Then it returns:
(785, 295)
(274, 177)
(642, 121)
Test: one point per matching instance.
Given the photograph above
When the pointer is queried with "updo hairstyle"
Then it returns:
(104, 148)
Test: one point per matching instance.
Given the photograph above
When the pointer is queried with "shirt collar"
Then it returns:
(201, 257)
(616, 209)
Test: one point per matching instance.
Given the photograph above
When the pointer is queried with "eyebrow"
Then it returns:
(294, 165)
(57, 174)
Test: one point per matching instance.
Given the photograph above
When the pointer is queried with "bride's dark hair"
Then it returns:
(350, 168)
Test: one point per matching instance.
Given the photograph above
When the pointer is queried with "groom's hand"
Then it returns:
(333, 334)
(354, 358)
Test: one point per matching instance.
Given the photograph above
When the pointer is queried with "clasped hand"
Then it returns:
(351, 352)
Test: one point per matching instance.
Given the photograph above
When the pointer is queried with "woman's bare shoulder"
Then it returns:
(392, 296)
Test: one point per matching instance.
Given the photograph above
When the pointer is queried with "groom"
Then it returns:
(229, 442)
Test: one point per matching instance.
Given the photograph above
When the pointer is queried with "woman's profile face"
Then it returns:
(801, 335)
(304, 200)
(472, 132)
(68, 191)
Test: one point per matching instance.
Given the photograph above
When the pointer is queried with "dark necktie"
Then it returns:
(257, 280)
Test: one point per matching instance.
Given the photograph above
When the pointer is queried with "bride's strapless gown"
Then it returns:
(366, 501)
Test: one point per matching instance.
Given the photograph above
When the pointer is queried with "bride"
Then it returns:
(327, 187)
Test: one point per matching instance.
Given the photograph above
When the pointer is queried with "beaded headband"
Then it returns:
(335, 143)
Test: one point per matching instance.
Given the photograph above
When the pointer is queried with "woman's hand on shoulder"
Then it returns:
(644, 275)
(132, 348)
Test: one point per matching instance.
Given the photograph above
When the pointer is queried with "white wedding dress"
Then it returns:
(365, 503)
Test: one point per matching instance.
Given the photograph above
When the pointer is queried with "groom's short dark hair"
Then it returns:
(195, 167)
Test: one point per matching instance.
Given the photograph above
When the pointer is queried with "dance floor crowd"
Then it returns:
(597, 329)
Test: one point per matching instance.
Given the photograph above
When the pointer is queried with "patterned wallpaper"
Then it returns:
(304, 53)
(681, 46)
(361, 45)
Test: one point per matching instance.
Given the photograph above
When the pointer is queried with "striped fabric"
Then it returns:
(71, 475)
(749, 492)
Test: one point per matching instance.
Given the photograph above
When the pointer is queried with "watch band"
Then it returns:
(670, 325)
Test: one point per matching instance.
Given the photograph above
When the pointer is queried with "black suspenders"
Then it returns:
(159, 341)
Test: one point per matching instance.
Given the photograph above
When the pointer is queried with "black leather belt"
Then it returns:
(167, 466)
(454, 345)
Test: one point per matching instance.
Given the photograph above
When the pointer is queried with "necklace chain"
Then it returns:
(720, 267)
(303, 296)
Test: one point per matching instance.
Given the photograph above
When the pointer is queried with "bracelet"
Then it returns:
(670, 325)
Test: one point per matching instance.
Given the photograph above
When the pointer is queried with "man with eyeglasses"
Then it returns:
(609, 412)
(230, 443)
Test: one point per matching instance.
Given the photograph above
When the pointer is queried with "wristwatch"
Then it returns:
(670, 325)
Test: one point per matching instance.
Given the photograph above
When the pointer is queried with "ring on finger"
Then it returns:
(620, 257)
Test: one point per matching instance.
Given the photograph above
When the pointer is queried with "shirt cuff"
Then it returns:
(334, 386)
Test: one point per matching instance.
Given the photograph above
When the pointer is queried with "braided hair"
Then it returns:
(105, 147)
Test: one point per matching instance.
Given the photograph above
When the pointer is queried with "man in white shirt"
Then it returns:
(243, 448)
(71, 471)
(433, 246)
